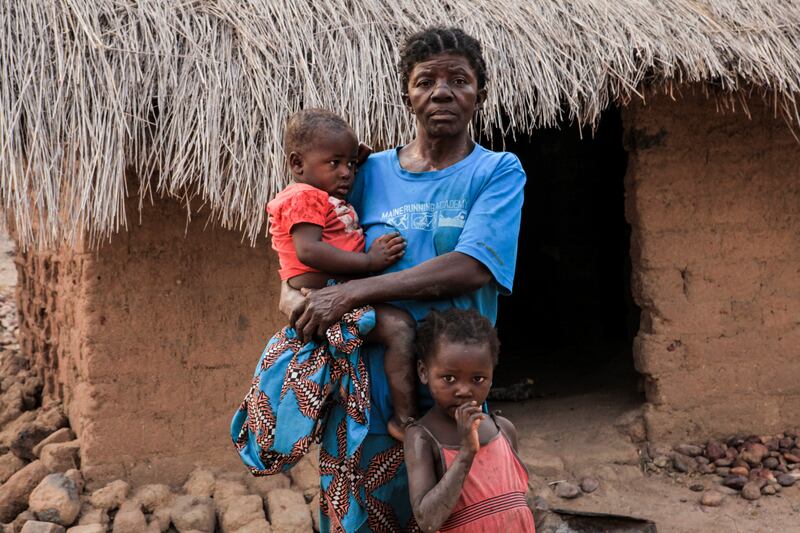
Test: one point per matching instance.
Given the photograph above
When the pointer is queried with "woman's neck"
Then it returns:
(426, 153)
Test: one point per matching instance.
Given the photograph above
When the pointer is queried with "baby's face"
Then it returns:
(329, 164)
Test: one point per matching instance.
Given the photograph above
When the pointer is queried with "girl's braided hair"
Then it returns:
(463, 326)
(429, 42)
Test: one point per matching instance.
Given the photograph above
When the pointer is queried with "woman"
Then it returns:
(458, 206)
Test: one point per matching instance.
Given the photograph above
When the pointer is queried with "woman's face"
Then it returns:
(443, 94)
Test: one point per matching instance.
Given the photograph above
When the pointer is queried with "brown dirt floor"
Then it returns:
(579, 429)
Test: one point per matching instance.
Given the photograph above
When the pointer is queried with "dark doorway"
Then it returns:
(571, 321)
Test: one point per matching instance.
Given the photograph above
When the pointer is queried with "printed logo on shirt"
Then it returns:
(427, 216)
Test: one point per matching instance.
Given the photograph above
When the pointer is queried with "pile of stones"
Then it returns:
(208, 502)
(754, 466)
(42, 489)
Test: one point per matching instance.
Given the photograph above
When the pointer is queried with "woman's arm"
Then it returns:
(444, 276)
(432, 501)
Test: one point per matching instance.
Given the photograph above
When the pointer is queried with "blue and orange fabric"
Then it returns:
(302, 394)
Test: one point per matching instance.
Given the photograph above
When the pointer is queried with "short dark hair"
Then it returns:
(464, 326)
(439, 40)
(307, 124)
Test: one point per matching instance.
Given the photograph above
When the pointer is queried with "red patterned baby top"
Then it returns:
(493, 494)
(301, 203)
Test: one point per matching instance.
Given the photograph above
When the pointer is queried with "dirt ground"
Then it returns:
(579, 431)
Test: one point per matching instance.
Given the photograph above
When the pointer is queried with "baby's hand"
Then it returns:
(468, 419)
(386, 250)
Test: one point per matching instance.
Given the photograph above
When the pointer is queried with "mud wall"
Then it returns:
(151, 340)
(714, 204)
(50, 323)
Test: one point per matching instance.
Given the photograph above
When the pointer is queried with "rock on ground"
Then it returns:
(130, 518)
(10, 464)
(200, 483)
(47, 421)
(258, 526)
(61, 456)
(35, 526)
(226, 489)
(711, 498)
(162, 516)
(567, 490)
(14, 492)
(111, 496)
(263, 485)
(76, 477)
(683, 463)
(153, 496)
(689, 449)
(192, 513)
(240, 512)
(90, 515)
(288, 512)
(88, 528)
(56, 499)
(751, 491)
(589, 484)
(61, 435)
(305, 474)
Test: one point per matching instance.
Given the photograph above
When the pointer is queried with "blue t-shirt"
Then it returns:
(472, 207)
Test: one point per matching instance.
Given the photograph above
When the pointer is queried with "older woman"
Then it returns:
(458, 206)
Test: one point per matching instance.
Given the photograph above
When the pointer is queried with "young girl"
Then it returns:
(463, 470)
(304, 392)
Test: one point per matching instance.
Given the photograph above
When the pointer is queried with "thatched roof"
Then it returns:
(195, 93)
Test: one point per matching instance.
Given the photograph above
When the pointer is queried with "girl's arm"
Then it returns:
(432, 501)
(508, 428)
(313, 252)
(447, 275)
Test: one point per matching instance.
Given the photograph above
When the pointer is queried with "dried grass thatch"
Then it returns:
(194, 94)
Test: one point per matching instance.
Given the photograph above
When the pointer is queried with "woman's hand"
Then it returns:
(468, 419)
(322, 308)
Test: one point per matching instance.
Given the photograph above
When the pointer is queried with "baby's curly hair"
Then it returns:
(464, 326)
(429, 42)
(306, 125)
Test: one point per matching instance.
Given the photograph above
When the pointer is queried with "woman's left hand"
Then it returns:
(323, 308)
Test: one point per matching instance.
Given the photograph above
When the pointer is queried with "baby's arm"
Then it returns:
(313, 252)
(432, 501)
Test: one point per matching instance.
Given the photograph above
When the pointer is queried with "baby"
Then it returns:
(317, 236)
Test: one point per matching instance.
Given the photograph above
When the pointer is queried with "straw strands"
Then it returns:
(188, 98)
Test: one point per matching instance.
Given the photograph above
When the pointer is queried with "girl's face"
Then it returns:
(329, 164)
(457, 373)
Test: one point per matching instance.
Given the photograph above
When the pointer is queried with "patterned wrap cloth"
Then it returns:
(302, 394)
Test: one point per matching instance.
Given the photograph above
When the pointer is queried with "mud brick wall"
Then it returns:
(49, 322)
(169, 322)
(714, 204)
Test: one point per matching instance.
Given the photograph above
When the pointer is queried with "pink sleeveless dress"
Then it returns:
(493, 495)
